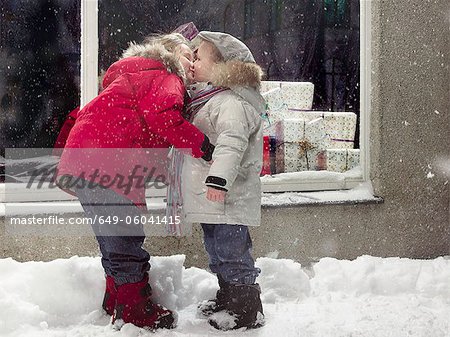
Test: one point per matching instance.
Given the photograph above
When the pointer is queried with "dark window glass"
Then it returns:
(122, 21)
(228, 19)
(336, 13)
(40, 67)
(250, 18)
(275, 14)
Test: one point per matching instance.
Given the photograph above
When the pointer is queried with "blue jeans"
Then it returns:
(229, 250)
(120, 241)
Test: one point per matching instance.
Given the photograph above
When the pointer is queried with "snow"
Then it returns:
(313, 176)
(366, 297)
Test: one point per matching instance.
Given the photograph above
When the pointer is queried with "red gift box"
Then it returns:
(266, 156)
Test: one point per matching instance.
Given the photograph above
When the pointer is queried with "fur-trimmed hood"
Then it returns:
(159, 53)
(243, 78)
(237, 74)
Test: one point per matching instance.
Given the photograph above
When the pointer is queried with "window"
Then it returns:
(324, 42)
(40, 69)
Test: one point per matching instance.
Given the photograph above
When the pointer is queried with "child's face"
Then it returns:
(186, 57)
(205, 60)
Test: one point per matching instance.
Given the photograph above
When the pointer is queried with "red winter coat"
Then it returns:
(65, 129)
(139, 108)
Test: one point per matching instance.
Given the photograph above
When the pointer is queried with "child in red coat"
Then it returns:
(139, 108)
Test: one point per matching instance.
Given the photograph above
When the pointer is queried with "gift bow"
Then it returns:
(304, 145)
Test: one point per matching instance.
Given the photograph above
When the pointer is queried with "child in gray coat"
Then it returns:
(225, 194)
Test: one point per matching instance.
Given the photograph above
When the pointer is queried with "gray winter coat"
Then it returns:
(232, 121)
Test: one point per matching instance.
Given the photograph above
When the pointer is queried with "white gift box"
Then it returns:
(341, 160)
(339, 126)
(273, 98)
(296, 95)
(300, 145)
(269, 85)
(353, 158)
(275, 107)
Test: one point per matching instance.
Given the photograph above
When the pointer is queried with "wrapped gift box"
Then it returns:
(275, 107)
(306, 115)
(300, 145)
(353, 158)
(296, 95)
(339, 126)
(341, 160)
(266, 156)
(269, 85)
(274, 99)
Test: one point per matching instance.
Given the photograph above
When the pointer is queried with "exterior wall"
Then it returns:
(409, 139)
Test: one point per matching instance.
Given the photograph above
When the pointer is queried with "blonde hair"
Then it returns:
(169, 41)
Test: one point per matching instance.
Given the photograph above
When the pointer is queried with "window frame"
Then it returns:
(89, 87)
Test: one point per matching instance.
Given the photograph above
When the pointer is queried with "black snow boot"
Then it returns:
(209, 307)
(242, 308)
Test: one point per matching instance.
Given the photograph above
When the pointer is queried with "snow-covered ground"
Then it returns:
(362, 298)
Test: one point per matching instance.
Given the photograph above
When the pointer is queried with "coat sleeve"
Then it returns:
(65, 129)
(161, 110)
(233, 134)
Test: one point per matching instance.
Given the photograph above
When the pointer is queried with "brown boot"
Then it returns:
(209, 307)
(243, 308)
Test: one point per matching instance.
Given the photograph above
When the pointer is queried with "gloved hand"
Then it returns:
(207, 148)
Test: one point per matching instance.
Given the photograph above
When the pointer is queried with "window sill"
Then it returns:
(361, 194)
(322, 198)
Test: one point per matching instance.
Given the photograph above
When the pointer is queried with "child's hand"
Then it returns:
(214, 194)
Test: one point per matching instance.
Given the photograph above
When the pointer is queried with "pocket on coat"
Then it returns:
(195, 188)
(204, 206)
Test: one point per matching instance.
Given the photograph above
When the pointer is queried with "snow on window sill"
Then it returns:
(361, 194)
(312, 181)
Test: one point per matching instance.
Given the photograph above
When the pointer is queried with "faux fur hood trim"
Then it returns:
(237, 74)
(159, 53)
